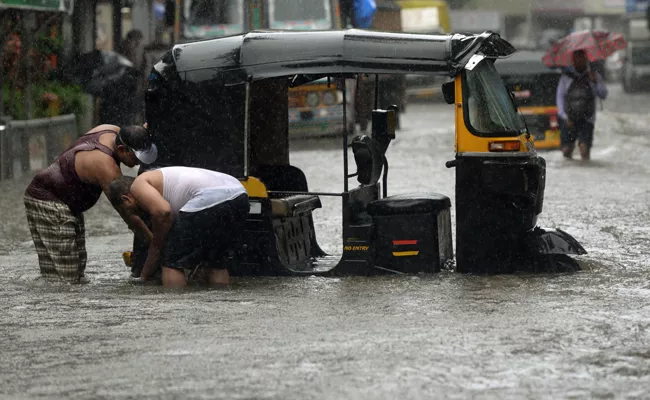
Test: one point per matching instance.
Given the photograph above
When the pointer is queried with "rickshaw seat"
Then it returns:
(294, 205)
(405, 204)
(287, 177)
(281, 177)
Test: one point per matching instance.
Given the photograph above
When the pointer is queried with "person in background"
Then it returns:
(197, 215)
(57, 196)
(129, 48)
(129, 98)
(576, 95)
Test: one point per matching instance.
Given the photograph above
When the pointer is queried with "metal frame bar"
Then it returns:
(247, 126)
(308, 193)
(345, 137)
(376, 91)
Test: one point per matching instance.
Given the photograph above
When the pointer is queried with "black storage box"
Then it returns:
(412, 232)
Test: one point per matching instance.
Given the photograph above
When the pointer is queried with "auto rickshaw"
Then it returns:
(534, 85)
(207, 106)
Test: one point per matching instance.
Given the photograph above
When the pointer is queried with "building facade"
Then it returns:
(537, 21)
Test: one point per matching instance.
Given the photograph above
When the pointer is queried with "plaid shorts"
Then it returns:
(59, 238)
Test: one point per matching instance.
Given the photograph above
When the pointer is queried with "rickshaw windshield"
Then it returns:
(300, 14)
(490, 110)
(533, 90)
(212, 18)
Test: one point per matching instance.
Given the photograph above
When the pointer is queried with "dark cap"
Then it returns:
(138, 139)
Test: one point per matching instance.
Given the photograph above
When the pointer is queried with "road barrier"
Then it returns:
(30, 145)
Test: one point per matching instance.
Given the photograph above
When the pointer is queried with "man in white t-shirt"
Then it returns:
(197, 217)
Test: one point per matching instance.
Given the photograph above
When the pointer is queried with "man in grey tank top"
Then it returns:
(197, 216)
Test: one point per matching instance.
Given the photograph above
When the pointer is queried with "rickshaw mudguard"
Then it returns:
(550, 242)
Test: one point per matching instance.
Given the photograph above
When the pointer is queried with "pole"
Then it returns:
(247, 126)
(376, 91)
(345, 138)
(29, 36)
(3, 39)
(117, 24)
(177, 21)
(529, 23)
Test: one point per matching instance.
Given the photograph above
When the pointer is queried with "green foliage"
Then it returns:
(47, 45)
(71, 100)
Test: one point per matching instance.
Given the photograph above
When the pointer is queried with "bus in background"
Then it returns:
(190, 20)
(315, 108)
(409, 16)
(204, 19)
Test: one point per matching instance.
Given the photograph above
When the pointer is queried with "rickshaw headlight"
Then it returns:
(329, 98)
(312, 99)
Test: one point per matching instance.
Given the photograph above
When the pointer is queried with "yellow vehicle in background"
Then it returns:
(412, 16)
(533, 86)
(425, 16)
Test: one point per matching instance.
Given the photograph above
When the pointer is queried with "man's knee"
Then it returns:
(173, 278)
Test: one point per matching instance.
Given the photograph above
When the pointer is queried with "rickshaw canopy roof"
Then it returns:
(525, 63)
(272, 54)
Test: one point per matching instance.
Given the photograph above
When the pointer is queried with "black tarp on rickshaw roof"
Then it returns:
(525, 62)
(270, 54)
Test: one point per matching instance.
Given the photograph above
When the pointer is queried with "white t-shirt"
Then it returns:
(194, 189)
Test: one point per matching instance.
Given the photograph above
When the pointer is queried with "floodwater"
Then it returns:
(577, 335)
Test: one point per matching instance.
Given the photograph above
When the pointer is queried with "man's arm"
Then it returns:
(560, 94)
(152, 202)
(598, 85)
(104, 173)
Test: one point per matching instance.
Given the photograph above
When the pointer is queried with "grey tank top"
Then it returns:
(194, 189)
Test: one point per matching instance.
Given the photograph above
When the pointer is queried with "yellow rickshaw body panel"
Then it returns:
(467, 142)
(255, 188)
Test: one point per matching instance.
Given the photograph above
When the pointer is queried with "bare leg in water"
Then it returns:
(584, 151)
(217, 277)
(173, 278)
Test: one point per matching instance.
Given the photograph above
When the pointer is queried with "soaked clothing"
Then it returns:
(210, 209)
(582, 131)
(599, 90)
(54, 204)
(59, 238)
(60, 183)
(195, 189)
(210, 236)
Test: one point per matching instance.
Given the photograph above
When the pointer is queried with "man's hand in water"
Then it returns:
(569, 123)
